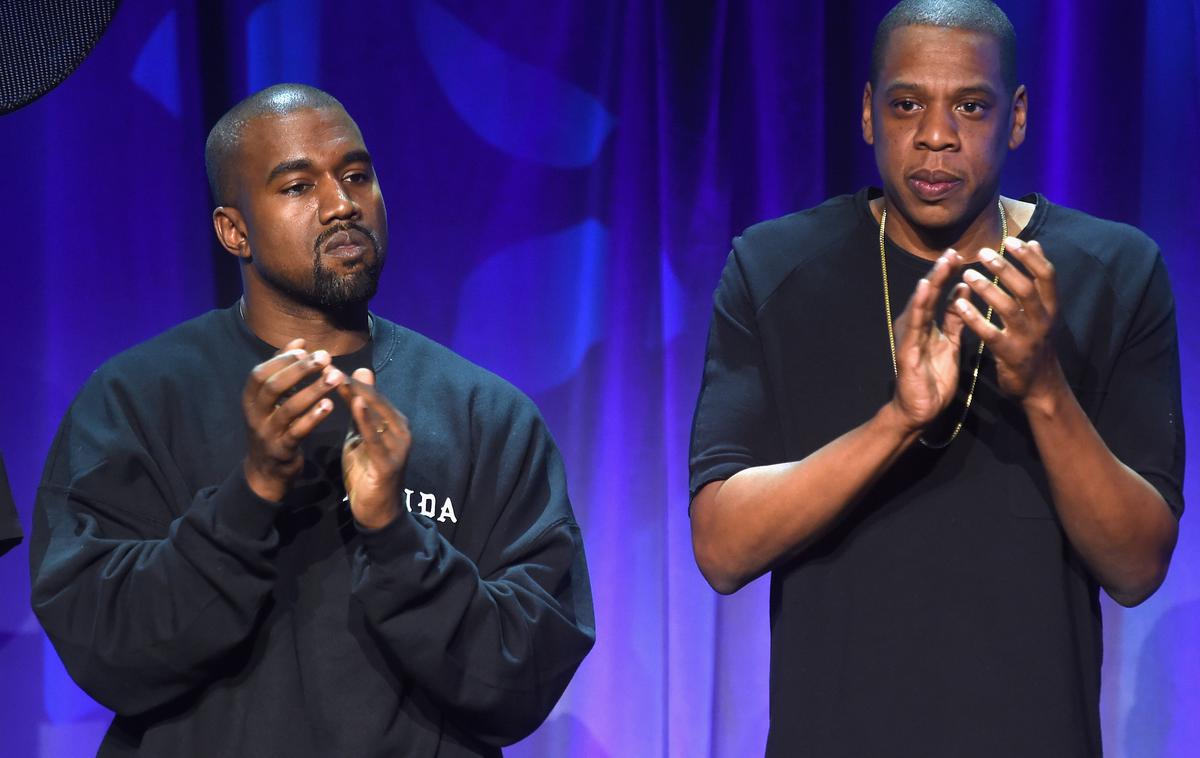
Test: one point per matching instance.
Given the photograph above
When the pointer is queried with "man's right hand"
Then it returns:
(278, 416)
(927, 356)
(762, 515)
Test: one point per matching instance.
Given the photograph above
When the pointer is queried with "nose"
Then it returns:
(937, 130)
(336, 203)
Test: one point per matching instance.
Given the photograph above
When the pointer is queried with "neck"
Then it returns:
(967, 238)
(277, 322)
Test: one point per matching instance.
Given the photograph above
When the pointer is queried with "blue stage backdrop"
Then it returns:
(563, 180)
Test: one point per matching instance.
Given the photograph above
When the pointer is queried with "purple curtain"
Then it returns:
(563, 180)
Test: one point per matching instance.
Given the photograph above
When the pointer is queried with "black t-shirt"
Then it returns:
(946, 614)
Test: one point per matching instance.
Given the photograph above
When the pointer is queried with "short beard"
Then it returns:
(334, 291)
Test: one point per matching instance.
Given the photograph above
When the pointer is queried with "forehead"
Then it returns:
(932, 55)
(320, 136)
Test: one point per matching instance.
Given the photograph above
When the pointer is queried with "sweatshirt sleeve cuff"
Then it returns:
(240, 510)
(405, 536)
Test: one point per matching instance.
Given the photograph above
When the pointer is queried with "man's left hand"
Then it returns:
(1026, 365)
(373, 459)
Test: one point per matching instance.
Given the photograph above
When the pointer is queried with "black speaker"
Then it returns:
(10, 525)
(43, 41)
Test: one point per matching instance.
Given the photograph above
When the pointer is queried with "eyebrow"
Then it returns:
(304, 164)
(297, 164)
(355, 156)
(981, 87)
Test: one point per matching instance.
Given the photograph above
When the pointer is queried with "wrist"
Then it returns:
(893, 422)
(376, 520)
(1045, 399)
(266, 487)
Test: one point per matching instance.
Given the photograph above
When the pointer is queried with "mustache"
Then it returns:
(345, 226)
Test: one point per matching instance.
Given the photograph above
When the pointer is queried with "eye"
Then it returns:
(906, 106)
(972, 107)
(294, 190)
(358, 177)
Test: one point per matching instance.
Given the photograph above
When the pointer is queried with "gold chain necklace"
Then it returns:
(887, 307)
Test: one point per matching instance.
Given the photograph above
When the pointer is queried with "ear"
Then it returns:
(868, 128)
(1020, 112)
(230, 227)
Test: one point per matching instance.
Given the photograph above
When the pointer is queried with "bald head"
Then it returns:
(981, 16)
(221, 147)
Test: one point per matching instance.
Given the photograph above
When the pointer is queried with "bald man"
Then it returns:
(940, 490)
(292, 527)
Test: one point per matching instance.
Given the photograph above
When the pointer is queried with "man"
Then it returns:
(938, 514)
(218, 562)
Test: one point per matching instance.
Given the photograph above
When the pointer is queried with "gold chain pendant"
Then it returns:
(887, 307)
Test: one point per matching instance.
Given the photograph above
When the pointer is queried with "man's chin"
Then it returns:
(933, 216)
(347, 291)
(342, 290)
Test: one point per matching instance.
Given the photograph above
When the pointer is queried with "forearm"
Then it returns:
(745, 524)
(1116, 521)
(141, 618)
(495, 651)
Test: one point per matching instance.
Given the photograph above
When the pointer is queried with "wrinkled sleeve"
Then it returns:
(732, 428)
(495, 639)
(1141, 416)
(142, 591)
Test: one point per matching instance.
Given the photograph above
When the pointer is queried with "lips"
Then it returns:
(345, 244)
(931, 185)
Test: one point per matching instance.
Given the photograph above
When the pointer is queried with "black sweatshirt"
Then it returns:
(215, 623)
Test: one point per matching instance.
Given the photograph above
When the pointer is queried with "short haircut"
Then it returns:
(982, 16)
(221, 147)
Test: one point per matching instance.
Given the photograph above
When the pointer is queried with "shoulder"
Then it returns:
(179, 344)
(182, 351)
(1073, 238)
(768, 252)
(1106, 270)
(132, 397)
(409, 360)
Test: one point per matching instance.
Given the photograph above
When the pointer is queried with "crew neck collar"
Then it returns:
(367, 355)
(863, 197)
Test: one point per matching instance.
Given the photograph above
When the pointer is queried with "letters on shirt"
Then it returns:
(427, 506)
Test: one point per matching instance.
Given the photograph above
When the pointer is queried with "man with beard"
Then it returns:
(939, 500)
(240, 547)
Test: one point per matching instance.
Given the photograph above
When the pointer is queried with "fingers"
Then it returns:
(354, 386)
(277, 410)
(1032, 300)
(1000, 301)
(382, 429)
(1010, 276)
(384, 438)
(970, 315)
(289, 407)
(282, 377)
(1034, 292)
(918, 316)
(944, 269)
(952, 322)
(301, 413)
(289, 355)
(1034, 259)
(913, 321)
